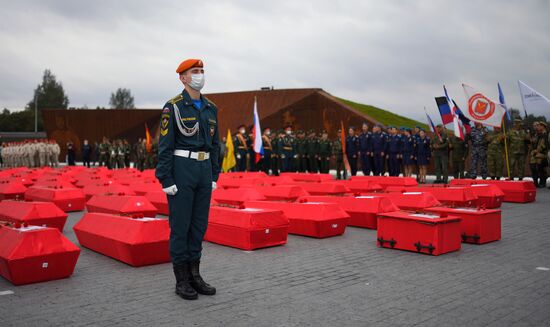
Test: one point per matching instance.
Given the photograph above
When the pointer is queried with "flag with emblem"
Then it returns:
(481, 109)
(533, 101)
(257, 134)
(147, 139)
(229, 157)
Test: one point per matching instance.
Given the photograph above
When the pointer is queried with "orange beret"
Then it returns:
(188, 64)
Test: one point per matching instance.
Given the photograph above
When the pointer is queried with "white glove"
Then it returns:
(214, 186)
(238, 156)
(171, 190)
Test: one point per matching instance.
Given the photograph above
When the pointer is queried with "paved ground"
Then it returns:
(342, 281)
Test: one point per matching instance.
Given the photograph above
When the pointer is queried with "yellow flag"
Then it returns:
(229, 157)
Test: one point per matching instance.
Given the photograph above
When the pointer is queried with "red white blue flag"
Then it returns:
(257, 134)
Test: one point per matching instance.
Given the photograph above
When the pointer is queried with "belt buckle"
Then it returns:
(201, 156)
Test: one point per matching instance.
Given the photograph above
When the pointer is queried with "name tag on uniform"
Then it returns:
(212, 121)
(188, 118)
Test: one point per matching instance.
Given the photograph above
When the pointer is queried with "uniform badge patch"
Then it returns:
(166, 110)
(164, 121)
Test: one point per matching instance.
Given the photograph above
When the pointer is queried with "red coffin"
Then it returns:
(143, 188)
(106, 189)
(12, 190)
(514, 191)
(433, 234)
(325, 188)
(137, 242)
(410, 200)
(359, 187)
(306, 177)
(127, 205)
(159, 200)
(386, 181)
(478, 225)
(313, 219)
(238, 182)
(45, 214)
(247, 229)
(287, 193)
(67, 199)
(236, 197)
(488, 196)
(449, 196)
(35, 254)
(363, 211)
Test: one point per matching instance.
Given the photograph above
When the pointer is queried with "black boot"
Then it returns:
(183, 286)
(197, 282)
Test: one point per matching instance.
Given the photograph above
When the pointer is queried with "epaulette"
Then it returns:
(211, 102)
(175, 99)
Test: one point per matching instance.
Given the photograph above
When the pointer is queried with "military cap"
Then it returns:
(188, 64)
(439, 125)
(543, 123)
(418, 127)
(241, 126)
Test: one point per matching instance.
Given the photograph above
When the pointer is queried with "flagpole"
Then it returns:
(505, 146)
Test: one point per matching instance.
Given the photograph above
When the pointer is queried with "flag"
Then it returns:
(343, 140)
(433, 127)
(503, 103)
(229, 157)
(147, 139)
(465, 121)
(481, 109)
(457, 124)
(537, 103)
(257, 134)
(444, 110)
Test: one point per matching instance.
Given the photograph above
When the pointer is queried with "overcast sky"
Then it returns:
(392, 54)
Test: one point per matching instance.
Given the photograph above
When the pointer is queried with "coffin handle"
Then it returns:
(420, 247)
(382, 241)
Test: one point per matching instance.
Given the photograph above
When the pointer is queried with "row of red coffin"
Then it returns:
(33, 254)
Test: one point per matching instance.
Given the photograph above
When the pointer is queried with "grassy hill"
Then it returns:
(384, 116)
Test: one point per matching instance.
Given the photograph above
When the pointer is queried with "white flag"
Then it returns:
(481, 109)
(533, 102)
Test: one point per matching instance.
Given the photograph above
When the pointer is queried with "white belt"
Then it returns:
(199, 156)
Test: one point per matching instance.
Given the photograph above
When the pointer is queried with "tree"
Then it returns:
(122, 99)
(49, 94)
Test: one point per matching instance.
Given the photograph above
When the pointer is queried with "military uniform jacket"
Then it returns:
(394, 144)
(378, 142)
(352, 145)
(440, 145)
(325, 148)
(459, 148)
(365, 144)
(478, 137)
(184, 127)
(312, 147)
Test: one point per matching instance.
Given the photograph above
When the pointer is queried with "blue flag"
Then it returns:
(503, 103)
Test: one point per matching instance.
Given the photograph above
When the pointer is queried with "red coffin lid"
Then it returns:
(20, 210)
(230, 196)
(247, 218)
(104, 189)
(459, 210)
(20, 243)
(370, 204)
(282, 191)
(121, 203)
(325, 188)
(306, 177)
(453, 193)
(430, 218)
(309, 210)
(7, 187)
(416, 200)
(238, 182)
(361, 186)
(486, 190)
(387, 180)
(49, 193)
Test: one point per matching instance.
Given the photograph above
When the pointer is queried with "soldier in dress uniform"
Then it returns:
(127, 152)
(495, 153)
(276, 151)
(408, 147)
(251, 152)
(378, 153)
(519, 140)
(365, 149)
(352, 150)
(459, 151)
(141, 154)
(440, 147)
(423, 153)
(325, 152)
(337, 153)
(288, 150)
(242, 142)
(478, 141)
(188, 169)
(268, 151)
(86, 154)
(394, 152)
(312, 152)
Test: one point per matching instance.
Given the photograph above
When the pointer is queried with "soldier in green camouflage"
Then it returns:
(104, 153)
(312, 152)
(339, 156)
(459, 152)
(517, 150)
(440, 148)
(325, 152)
(495, 153)
(301, 153)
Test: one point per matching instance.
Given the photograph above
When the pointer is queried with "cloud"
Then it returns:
(395, 55)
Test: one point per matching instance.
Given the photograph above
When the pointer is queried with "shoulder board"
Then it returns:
(176, 99)
(210, 101)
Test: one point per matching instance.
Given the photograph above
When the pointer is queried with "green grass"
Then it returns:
(384, 116)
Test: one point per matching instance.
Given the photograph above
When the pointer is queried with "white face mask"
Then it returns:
(288, 132)
(242, 131)
(267, 133)
(197, 81)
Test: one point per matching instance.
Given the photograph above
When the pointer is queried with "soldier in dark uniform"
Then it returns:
(478, 140)
(365, 149)
(242, 143)
(312, 151)
(277, 148)
(325, 152)
(408, 147)
(352, 150)
(188, 170)
(289, 148)
(459, 152)
(251, 152)
(538, 154)
(423, 153)
(440, 147)
(301, 152)
(104, 153)
(268, 151)
(394, 152)
(378, 150)
(338, 155)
